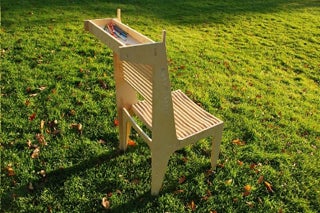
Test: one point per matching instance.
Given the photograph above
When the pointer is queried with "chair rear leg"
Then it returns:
(159, 166)
(216, 142)
(124, 137)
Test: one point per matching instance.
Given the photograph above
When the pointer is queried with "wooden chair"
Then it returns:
(174, 120)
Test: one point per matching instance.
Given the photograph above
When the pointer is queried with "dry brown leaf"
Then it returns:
(41, 124)
(247, 187)
(30, 186)
(192, 206)
(41, 140)
(35, 153)
(101, 141)
(135, 181)
(33, 95)
(105, 203)
(27, 103)
(240, 163)
(32, 117)
(268, 186)
(42, 88)
(238, 142)
(208, 194)
(246, 193)
(77, 126)
(178, 191)
(29, 144)
(182, 179)
(184, 159)
(253, 166)
(42, 173)
(209, 172)
(228, 182)
(131, 143)
(10, 171)
(260, 179)
(116, 122)
(250, 204)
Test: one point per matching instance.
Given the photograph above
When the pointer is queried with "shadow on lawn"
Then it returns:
(178, 12)
(56, 179)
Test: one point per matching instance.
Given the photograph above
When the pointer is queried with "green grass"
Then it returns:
(254, 64)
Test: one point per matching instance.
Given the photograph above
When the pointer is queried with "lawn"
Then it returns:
(253, 63)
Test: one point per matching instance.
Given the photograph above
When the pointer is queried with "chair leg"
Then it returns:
(124, 137)
(216, 142)
(159, 165)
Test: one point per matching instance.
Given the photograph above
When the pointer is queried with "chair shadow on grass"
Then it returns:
(135, 201)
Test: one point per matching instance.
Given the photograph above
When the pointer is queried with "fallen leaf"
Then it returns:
(103, 84)
(42, 173)
(41, 124)
(184, 159)
(238, 142)
(240, 163)
(246, 193)
(32, 117)
(10, 171)
(253, 166)
(209, 173)
(208, 194)
(41, 140)
(228, 182)
(72, 112)
(42, 88)
(247, 188)
(192, 206)
(182, 67)
(27, 103)
(268, 186)
(105, 203)
(135, 181)
(182, 179)
(30, 186)
(77, 126)
(29, 144)
(250, 204)
(35, 153)
(101, 141)
(131, 143)
(33, 95)
(178, 191)
(260, 179)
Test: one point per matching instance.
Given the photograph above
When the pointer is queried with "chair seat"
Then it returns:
(189, 118)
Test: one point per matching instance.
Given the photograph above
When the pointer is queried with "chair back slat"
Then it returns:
(139, 76)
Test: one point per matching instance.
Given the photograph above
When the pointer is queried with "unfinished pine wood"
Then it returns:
(175, 121)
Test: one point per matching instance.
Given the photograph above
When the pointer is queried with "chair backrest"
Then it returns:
(139, 77)
(145, 68)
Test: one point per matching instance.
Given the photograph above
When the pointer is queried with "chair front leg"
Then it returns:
(216, 142)
(160, 159)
